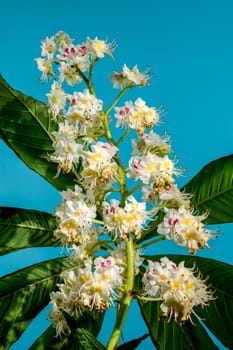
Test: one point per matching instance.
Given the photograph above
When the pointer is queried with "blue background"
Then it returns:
(189, 48)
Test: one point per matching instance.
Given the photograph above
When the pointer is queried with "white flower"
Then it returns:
(99, 286)
(101, 153)
(79, 214)
(48, 47)
(63, 39)
(178, 288)
(152, 143)
(75, 217)
(59, 321)
(69, 74)
(98, 167)
(136, 116)
(134, 76)
(185, 229)
(91, 287)
(86, 246)
(130, 77)
(57, 99)
(173, 197)
(123, 114)
(109, 270)
(99, 48)
(152, 169)
(67, 151)
(130, 219)
(45, 66)
(67, 53)
(84, 107)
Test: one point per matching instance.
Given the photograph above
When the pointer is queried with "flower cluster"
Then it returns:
(136, 116)
(177, 286)
(75, 217)
(67, 151)
(99, 167)
(128, 220)
(106, 219)
(92, 287)
(186, 229)
(129, 77)
(74, 59)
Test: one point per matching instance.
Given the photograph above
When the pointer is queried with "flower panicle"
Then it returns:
(178, 287)
(103, 219)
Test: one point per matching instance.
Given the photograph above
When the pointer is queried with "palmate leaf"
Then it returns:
(212, 190)
(217, 317)
(21, 228)
(24, 294)
(26, 128)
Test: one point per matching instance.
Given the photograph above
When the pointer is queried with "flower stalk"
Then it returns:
(125, 302)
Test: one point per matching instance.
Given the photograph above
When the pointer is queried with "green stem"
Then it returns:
(100, 222)
(121, 93)
(136, 188)
(121, 171)
(149, 299)
(123, 136)
(122, 184)
(127, 298)
(140, 246)
(91, 69)
(87, 81)
(108, 134)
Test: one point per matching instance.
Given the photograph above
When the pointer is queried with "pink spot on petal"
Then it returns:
(112, 210)
(109, 262)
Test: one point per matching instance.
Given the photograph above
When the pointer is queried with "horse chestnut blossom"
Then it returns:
(177, 286)
(153, 143)
(129, 77)
(136, 116)
(84, 111)
(186, 229)
(75, 217)
(57, 99)
(74, 59)
(152, 169)
(123, 221)
(105, 220)
(67, 151)
(92, 287)
(99, 168)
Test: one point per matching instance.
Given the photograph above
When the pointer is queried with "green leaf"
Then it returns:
(173, 336)
(24, 294)
(49, 337)
(91, 320)
(21, 228)
(80, 338)
(217, 317)
(132, 344)
(25, 126)
(87, 340)
(212, 190)
(56, 343)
